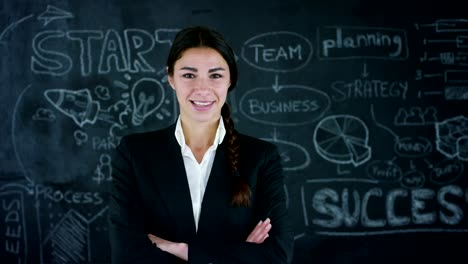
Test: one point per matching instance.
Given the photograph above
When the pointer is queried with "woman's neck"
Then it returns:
(199, 136)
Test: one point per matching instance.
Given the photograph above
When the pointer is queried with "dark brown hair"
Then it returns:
(193, 37)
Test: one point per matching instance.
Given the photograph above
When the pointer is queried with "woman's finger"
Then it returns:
(154, 239)
(263, 239)
(254, 232)
(260, 232)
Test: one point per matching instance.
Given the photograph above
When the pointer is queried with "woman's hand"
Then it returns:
(179, 250)
(260, 232)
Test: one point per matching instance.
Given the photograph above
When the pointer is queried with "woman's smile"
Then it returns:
(202, 105)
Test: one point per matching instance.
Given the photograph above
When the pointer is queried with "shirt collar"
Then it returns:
(179, 133)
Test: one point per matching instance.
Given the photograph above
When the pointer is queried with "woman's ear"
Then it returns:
(170, 79)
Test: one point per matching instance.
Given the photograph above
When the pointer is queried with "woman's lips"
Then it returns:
(202, 105)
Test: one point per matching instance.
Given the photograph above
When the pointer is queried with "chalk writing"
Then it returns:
(105, 143)
(348, 208)
(362, 42)
(277, 51)
(124, 52)
(14, 247)
(301, 104)
(412, 147)
(166, 35)
(67, 196)
(446, 171)
(368, 89)
(385, 171)
(413, 179)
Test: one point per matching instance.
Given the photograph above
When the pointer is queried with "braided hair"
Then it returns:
(193, 37)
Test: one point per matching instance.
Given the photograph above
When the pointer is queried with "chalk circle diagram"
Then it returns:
(342, 139)
(294, 156)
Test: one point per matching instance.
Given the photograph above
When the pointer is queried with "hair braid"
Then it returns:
(241, 189)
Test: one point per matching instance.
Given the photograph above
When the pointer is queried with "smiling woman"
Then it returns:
(201, 80)
(198, 190)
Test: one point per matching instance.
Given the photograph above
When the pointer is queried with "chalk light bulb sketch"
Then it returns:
(147, 96)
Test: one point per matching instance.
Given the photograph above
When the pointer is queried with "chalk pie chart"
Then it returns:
(342, 139)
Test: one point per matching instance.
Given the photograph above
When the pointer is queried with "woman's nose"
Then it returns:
(202, 85)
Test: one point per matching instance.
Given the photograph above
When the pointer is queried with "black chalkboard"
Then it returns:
(366, 101)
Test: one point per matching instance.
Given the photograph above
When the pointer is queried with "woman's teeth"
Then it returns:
(202, 103)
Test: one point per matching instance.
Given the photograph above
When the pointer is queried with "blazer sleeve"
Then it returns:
(128, 240)
(270, 202)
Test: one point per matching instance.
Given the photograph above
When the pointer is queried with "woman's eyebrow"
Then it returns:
(196, 70)
(189, 69)
(216, 69)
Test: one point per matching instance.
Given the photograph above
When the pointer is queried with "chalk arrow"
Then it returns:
(276, 86)
(365, 73)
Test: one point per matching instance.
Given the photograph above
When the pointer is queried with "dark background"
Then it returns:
(373, 135)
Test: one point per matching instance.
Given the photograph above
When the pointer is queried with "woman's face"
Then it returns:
(201, 80)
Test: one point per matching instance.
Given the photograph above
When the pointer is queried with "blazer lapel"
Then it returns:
(217, 194)
(175, 190)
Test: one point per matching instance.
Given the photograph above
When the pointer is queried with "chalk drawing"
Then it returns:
(451, 137)
(147, 96)
(342, 139)
(43, 114)
(53, 13)
(69, 241)
(11, 27)
(294, 156)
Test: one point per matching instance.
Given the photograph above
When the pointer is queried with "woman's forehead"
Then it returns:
(201, 57)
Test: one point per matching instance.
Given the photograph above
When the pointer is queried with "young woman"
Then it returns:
(199, 191)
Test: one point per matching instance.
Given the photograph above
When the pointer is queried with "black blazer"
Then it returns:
(150, 194)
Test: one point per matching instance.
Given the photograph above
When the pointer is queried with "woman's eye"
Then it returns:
(216, 76)
(188, 75)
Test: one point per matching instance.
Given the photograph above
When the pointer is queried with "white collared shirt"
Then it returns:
(198, 173)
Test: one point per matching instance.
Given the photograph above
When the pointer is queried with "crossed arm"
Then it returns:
(131, 244)
(180, 250)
